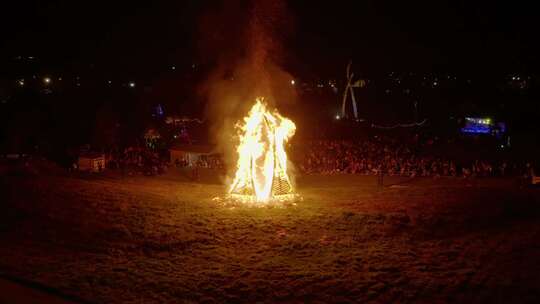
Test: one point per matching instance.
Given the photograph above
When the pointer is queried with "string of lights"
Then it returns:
(409, 125)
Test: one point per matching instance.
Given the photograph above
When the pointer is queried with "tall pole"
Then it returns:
(354, 103)
(346, 91)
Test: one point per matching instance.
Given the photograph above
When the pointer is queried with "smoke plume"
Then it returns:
(243, 40)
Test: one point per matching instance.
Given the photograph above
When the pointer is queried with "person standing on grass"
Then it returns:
(195, 172)
(380, 176)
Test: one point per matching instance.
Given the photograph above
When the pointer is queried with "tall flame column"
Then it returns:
(261, 170)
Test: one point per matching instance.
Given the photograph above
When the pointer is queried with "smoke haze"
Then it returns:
(244, 39)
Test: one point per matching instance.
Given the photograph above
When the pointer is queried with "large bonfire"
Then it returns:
(261, 170)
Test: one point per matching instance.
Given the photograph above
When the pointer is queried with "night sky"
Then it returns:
(320, 38)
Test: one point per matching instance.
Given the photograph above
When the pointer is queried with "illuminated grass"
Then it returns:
(113, 240)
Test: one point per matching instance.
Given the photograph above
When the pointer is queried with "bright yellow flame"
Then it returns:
(261, 169)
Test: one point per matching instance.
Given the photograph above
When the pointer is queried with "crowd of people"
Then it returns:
(376, 155)
(208, 162)
(136, 159)
(392, 157)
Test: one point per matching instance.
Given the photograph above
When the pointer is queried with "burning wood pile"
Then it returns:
(261, 170)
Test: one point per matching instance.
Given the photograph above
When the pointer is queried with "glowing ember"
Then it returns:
(261, 170)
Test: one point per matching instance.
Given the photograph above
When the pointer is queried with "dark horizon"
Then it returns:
(444, 36)
(451, 58)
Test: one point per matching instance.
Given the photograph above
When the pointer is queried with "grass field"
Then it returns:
(108, 239)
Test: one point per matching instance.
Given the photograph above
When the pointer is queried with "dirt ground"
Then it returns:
(113, 239)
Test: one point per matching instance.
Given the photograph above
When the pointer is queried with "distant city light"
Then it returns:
(292, 82)
(47, 80)
(21, 82)
(109, 82)
(131, 84)
(338, 117)
(173, 67)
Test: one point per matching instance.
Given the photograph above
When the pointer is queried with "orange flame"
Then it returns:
(261, 170)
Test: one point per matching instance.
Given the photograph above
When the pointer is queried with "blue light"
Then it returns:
(476, 129)
(159, 110)
(477, 126)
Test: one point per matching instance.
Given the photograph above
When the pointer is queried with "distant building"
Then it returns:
(92, 162)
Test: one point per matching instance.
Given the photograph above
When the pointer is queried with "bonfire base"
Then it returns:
(284, 200)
